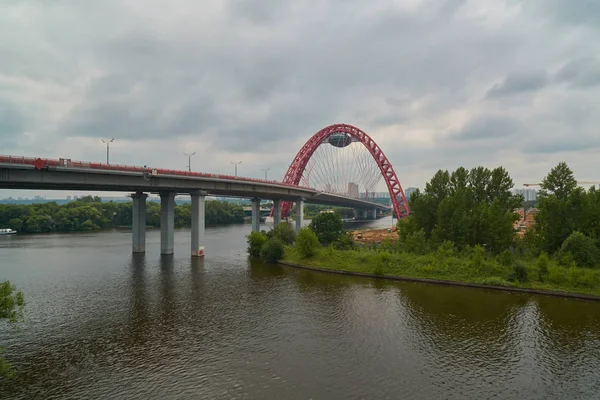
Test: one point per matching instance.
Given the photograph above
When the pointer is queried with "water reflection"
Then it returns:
(109, 324)
(139, 313)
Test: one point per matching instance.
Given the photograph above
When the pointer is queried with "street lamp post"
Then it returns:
(236, 164)
(189, 156)
(107, 142)
(265, 169)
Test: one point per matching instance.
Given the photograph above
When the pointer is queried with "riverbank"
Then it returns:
(453, 270)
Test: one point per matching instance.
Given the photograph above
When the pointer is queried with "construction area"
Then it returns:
(374, 235)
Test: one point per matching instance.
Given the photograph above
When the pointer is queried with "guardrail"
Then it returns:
(68, 163)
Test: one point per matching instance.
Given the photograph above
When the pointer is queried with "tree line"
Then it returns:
(476, 208)
(90, 213)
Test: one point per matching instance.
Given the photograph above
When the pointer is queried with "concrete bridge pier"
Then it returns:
(299, 213)
(138, 223)
(198, 221)
(365, 214)
(255, 215)
(356, 212)
(167, 222)
(375, 213)
(276, 212)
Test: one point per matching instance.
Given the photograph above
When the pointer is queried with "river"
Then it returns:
(103, 324)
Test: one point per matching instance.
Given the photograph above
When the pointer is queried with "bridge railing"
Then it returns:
(68, 163)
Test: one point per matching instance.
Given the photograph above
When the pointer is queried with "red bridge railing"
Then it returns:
(64, 162)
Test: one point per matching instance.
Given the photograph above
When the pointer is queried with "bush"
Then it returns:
(566, 259)
(344, 242)
(542, 265)
(272, 250)
(505, 258)
(583, 248)
(307, 243)
(255, 242)
(443, 254)
(416, 243)
(477, 257)
(519, 273)
(327, 226)
(285, 232)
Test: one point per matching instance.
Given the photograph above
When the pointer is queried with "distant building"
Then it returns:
(408, 191)
(353, 190)
(528, 194)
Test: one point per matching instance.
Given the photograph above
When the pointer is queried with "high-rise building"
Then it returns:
(528, 194)
(352, 190)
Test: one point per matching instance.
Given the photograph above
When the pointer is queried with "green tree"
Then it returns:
(583, 249)
(11, 310)
(327, 226)
(565, 208)
(285, 232)
(255, 242)
(307, 243)
(272, 250)
(469, 208)
(560, 181)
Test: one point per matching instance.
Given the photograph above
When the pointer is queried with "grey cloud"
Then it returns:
(451, 6)
(487, 127)
(561, 145)
(12, 124)
(571, 12)
(519, 82)
(259, 76)
(258, 11)
(580, 73)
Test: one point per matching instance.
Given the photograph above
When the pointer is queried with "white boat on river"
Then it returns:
(7, 232)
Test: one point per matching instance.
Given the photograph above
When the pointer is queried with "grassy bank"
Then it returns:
(468, 268)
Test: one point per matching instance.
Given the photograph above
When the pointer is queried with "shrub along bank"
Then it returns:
(470, 266)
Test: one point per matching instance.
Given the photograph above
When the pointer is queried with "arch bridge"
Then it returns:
(312, 177)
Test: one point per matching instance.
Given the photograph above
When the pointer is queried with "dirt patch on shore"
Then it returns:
(374, 235)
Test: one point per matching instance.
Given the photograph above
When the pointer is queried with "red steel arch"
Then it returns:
(296, 169)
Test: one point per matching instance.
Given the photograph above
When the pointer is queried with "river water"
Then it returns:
(103, 324)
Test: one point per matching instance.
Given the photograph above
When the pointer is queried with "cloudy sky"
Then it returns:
(437, 83)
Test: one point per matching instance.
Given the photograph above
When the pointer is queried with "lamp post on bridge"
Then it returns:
(107, 142)
(189, 156)
(265, 169)
(236, 164)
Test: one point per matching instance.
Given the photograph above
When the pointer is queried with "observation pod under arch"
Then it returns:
(298, 165)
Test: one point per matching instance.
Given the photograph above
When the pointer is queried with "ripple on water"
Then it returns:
(103, 324)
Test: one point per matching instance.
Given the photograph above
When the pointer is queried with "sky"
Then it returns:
(437, 84)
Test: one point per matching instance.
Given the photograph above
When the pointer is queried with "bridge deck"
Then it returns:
(64, 174)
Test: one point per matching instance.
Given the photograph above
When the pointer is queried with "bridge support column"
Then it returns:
(276, 212)
(365, 214)
(356, 213)
(375, 213)
(167, 222)
(299, 214)
(255, 215)
(138, 223)
(198, 220)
